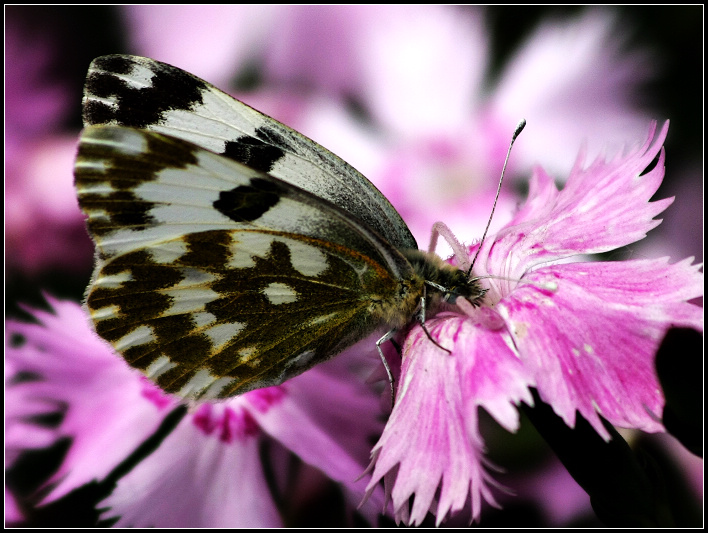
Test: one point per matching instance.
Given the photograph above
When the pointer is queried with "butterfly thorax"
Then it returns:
(431, 277)
(455, 282)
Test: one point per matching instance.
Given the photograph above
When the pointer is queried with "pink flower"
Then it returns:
(422, 74)
(211, 41)
(42, 217)
(584, 334)
(208, 471)
(438, 124)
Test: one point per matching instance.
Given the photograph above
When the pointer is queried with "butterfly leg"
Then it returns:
(421, 315)
(387, 337)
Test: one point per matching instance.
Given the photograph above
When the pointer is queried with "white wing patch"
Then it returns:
(308, 260)
(159, 366)
(221, 334)
(141, 335)
(115, 281)
(280, 293)
(199, 382)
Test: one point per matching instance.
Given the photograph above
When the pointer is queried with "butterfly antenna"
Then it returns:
(519, 128)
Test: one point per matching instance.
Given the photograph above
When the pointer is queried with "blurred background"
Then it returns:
(421, 99)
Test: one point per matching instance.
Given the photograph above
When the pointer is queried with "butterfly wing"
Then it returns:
(215, 278)
(146, 94)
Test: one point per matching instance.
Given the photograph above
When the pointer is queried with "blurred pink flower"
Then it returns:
(584, 334)
(439, 127)
(422, 72)
(43, 224)
(212, 456)
(211, 41)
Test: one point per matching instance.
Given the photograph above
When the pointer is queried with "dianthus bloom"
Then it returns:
(208, 471)
(584, 334)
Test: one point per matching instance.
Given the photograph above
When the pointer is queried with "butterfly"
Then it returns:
(232, 252)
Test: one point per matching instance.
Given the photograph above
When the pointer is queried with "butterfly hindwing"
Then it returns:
(146, 94)
(215, 278)
(202, 328)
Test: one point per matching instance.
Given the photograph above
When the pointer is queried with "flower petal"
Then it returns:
(189, 482)
(602, 207)
(81, 372)
(589, 332)
(574, 79)
(328, 422)
(431, 447)
(422, 66)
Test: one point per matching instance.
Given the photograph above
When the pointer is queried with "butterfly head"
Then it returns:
(460, 285)
(445, 282)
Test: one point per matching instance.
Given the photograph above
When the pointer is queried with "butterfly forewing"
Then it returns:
(215, 278)
(143, 93)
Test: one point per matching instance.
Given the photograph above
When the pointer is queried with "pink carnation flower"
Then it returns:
(584, 334)
(208, 471)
